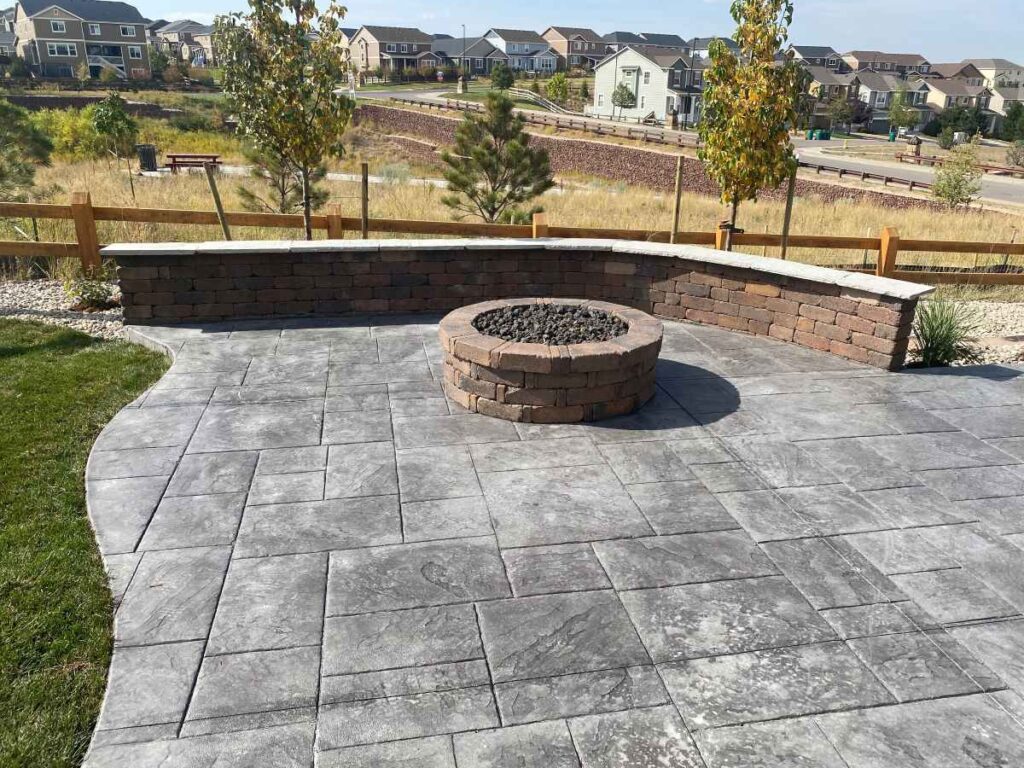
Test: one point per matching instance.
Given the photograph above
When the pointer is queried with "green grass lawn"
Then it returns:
(480, 95)
(57, 390)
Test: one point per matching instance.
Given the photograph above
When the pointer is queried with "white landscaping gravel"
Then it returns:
(46, 302)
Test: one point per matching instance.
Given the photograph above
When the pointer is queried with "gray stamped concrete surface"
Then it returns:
(783, 560)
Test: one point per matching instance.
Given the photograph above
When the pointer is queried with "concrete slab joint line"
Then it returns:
(783, 557)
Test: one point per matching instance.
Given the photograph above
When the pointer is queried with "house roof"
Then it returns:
(1011, 94)
(156, 26)
(659, 39)
(398, 34)
(896, 58)
(6, 38)
(993, 63)
(662, 57)
(955, 68)
(814, 51)
(955, 87)
(183, 25)
(879, 83)
(349, 32)
(622, 38)
(568, 33)
(87, 10)
(700, 43)
(518, 35)
(476, 48)
(826, 76)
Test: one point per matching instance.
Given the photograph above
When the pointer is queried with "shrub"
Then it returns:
(1015, 153)
(942, 330)
(958, 181)
(72, 131)
(946, 138)
(108, 75)
(190, 122)
(932, 128)
(91, 292)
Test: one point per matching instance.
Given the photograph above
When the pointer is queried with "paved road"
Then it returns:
(993, 188)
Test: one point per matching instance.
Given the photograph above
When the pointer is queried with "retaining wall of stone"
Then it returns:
(631, 165)
(860, 317)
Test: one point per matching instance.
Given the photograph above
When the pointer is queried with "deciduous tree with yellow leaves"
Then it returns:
(285, 64)
(750, 104)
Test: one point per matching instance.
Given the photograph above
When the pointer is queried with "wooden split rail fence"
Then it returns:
(886, 247)
(585, 125)
(933, 160)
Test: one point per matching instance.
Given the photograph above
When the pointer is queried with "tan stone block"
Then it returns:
(818, 314)
(855, 323)
(499, 410)
(545, 414)
(764, 289)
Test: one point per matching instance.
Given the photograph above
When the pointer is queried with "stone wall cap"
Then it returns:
(881, 286)
(898, 289)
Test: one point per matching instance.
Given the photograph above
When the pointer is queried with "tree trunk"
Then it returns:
(732, 222)
(307, 217)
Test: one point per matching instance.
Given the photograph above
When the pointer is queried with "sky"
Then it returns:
(940, 30)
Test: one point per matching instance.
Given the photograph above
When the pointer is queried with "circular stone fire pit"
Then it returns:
(550, 360)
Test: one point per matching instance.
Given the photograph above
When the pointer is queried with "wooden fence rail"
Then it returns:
(886, 247)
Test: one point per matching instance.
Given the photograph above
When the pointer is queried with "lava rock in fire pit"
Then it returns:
(550, 324)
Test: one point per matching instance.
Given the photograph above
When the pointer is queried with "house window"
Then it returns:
(58, 26)
(478, 63)
(647, 78)
(392, 48)
(643, 102)
(600, 99)
(880, 99)
(127, 30)
(139, 72)
(134, 52)
(94, 30)
(832, 62)
(405, 48)
(55, 50)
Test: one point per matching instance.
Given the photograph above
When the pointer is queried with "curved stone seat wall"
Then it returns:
(859, 317)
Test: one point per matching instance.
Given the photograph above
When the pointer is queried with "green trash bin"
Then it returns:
(810, 135)
(892, 135)
(826, 135)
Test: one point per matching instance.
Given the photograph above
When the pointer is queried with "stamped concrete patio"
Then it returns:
(785, 559)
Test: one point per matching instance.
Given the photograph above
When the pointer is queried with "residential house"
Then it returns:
(391, 49)
(902, 64)
(1004, 98)
(57, 38)
(527, 51)
(876, 90)
(826, 86)
(615, 41)
(999, 73)
(474, 55)
(577, 47)
(666, 84)
(817, 56)
(943, 94)
(185, 40)
(701, 46)
(963, 71)
(347, 33)
(7, 37)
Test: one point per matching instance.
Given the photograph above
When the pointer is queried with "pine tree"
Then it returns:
(283, 186)
(502, 77)
(23, 147)
(749, 105)
(492, 169)
(558, 88)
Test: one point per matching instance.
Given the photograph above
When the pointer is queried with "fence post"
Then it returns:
(540, 225)
(678, 202)
(364, 195)
(335, 226)
(85, 232)
(890, 246)
(721, 236)
(788, 215)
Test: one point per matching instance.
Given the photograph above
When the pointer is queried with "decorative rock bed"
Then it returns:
(550, 383)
